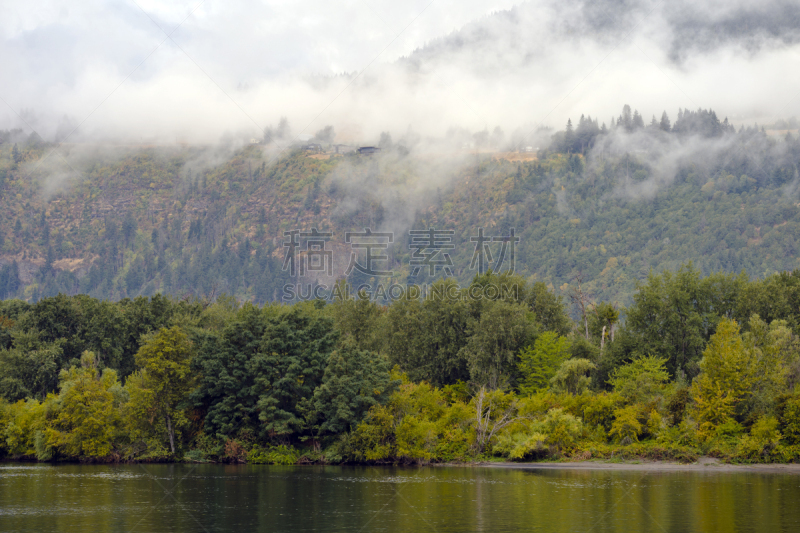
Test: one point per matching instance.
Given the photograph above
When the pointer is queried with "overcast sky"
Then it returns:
(199, 70)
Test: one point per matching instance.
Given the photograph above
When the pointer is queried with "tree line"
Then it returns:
(695, 365)
(581, 138)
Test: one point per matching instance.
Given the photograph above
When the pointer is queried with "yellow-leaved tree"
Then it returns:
(84, 421)
(727, 374)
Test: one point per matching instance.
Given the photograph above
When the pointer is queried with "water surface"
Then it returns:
(255, 498)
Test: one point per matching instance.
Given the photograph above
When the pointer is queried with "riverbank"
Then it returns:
(705, 464)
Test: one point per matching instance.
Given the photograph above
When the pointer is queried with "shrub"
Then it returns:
(641, 379)
(521, 445)
(235, 452)
(676, 405)
(537, 405)
(417, 438)
(600, 409)
(373, 439)
(762, 441)
(562, 429)
(655, 423)
(572, 377)
(626, 426)
(789, 418)
(729, 428)
(278, 455)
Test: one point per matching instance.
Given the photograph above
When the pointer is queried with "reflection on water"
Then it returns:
(211, 498)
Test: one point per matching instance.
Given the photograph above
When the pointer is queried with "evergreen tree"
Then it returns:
(637, 121)
(664, 124)
(626, 119)
(129, 227)
(569, 137)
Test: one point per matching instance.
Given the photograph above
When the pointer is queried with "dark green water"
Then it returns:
(212, 498)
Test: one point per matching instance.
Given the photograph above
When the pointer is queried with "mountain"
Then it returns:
(127, 221)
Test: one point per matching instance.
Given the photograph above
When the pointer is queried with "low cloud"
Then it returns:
(230, 70)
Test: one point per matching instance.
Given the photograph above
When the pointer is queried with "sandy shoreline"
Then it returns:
(705, 464)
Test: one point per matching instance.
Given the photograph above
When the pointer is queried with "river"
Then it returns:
(253, 498)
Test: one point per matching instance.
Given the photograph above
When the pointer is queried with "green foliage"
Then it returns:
(157, 390)
(729, 375)
(51, 335)
(521, 445)
(539, 363)
(85, 422)
(776, 353)
(373, 439)
(30, 367)
(362, 320)
(572, 377)
(289, 366)
(309, 382)
(604, 315)
(25, 427)
(562, 429)
(763, 440)
(355, 380)
(626, 427)
(277, 455)
(226, 391)
(494, 341)
(713, 406)
(416, 425)
(677, 403)
(261, 369)
(493, 411)
(425, 337)
(540, 432)
(640, 380)
(788, 409)
(675, 314)
(548, 308)
(727, 362)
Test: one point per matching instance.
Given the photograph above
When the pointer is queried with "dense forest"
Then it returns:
(603, 204)
(701, 365)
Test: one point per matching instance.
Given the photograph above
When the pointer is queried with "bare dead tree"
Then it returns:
(603, 339)
(609, 318)
(485, 427)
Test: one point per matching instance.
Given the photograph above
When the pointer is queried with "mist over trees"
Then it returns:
(654, 310)
(610, 202)
(704, 123)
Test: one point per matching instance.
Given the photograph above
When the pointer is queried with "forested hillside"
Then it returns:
(603, 203)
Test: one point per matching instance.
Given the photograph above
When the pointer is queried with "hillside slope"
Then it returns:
(199, 221)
